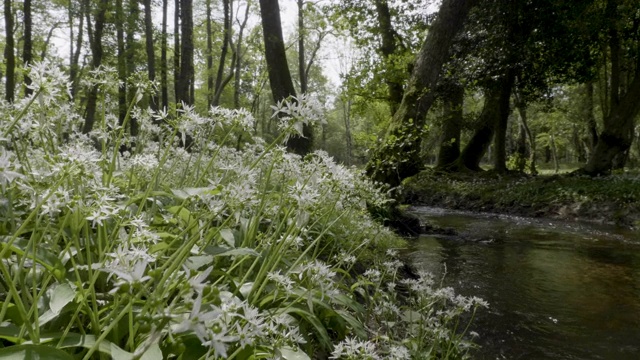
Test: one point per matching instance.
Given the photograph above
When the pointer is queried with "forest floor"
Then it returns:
(613, 199)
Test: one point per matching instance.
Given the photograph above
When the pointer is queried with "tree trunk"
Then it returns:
(210, 80)
(238, 54)
(9, 53)
(521, 150)
(496, 108)
(301, 61)
(399, 156)
(347, 126)
(222, 81)
(279, 75)
(27, 46)
(176, 50)
(151, 55)
(500, 140)
(451, 128)
(122, 66)
(97, 53)
(522, 111)
(164, 79)
(590, 117)
(74, 67)
(615, 138)
(389, 48)
(185, 86)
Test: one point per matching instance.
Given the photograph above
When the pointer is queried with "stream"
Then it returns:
(557, 290)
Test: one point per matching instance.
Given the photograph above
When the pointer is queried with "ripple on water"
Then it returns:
(558, 290)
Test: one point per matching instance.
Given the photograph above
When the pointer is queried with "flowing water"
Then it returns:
(557, 290)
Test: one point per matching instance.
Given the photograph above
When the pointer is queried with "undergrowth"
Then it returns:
(614, 198)
(124, 247)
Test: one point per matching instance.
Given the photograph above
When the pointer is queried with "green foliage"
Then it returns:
(612, 199)
(218, 251)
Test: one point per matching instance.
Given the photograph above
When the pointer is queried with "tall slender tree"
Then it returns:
(185, 86)
(278, 69)
(164, 78)
(122, 58)
(219, 83)
(97, 52)
(75, 50)
(9, 52)
(150, 49)
(176, 48)
(27, 44)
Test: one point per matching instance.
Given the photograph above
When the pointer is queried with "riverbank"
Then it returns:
(613, 199)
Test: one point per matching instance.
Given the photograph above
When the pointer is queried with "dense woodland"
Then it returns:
(509, 84)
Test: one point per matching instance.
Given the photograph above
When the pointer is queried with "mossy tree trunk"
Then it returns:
(494, 114)
(451, 127)
(398, 157)
(502, 119)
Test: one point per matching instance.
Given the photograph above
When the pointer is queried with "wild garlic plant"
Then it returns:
(195, 240)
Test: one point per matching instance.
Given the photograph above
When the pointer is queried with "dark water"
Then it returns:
(556, 290)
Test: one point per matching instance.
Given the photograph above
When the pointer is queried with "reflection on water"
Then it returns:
(556, 290)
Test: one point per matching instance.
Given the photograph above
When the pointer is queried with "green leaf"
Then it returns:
(10, 333)
(43, 256)
(222, 251)
(197, 262)
(355, 324)
(153, 352)
(183, 213)
(288, 353)
(227, 236)
(320, 331)
(20, 352)
(60, 296)
(73, 340)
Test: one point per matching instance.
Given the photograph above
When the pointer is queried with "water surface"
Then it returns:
(557, 290)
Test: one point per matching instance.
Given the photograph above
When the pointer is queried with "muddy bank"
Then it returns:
(613, 199)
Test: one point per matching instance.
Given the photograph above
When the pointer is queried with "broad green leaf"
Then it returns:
(73, 340)
(62, 295)
(44, 257)
(10, 333)
(33, 352)
(222, 251)
(12, 314)
(196, 262)
(356, 325)
(288, 353)
(227, 236)
(152, 353)
(320, 331)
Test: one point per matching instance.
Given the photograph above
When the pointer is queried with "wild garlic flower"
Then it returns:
(129, 269)
(48, 81)
(227, 117)
(281, 280)
(354, 349)
(9, 167)
(398, 352)
(294, 112)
